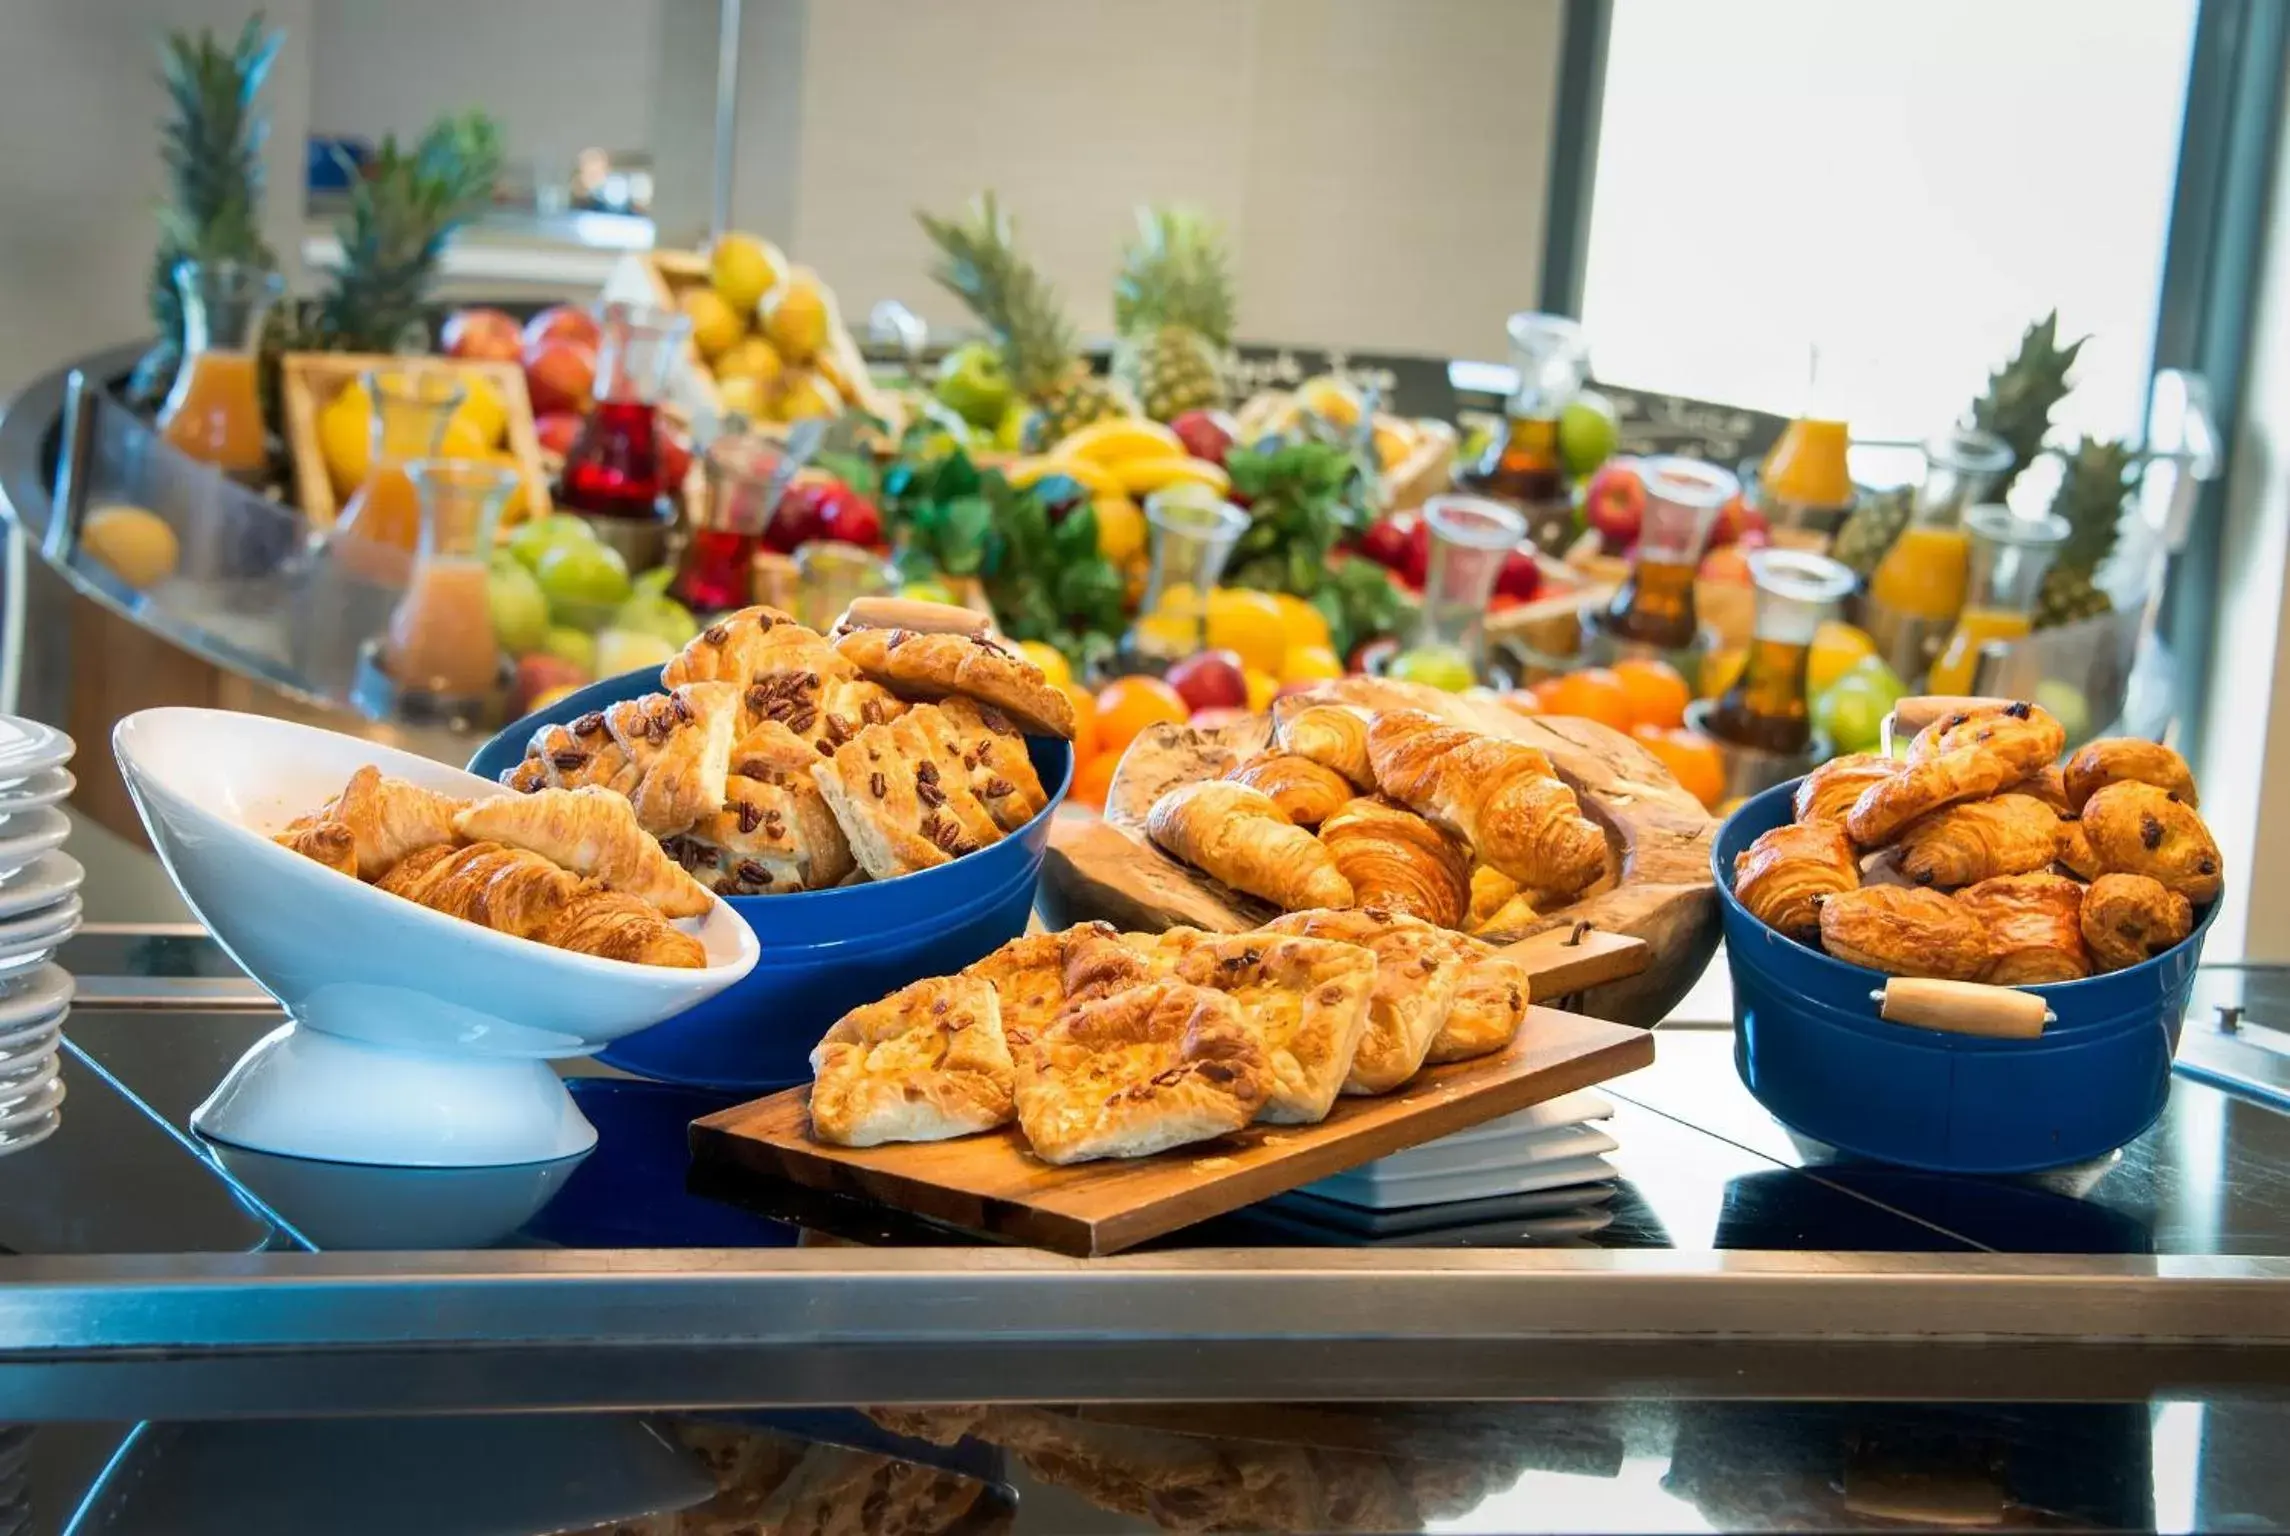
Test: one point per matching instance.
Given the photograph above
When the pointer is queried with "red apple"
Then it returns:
(801, 515)
(540, 674)
(1210, 680)
(1415, 564)
(1215, 719)
(850, 517)
(1521, 576)
(1385, 542)
(557, 430)
(561, 322)
(1615, 504)
(1732, 518)
(482, 335)
(561, 376)
(1206, 434)
(1727, 564)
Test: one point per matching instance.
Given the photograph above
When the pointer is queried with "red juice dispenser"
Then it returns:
(616, 477)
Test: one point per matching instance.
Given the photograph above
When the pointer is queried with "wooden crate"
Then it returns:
(309, 381)
(675, 273)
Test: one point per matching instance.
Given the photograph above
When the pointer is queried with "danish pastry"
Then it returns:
(926, 1063)
(903, 797)
(2020, 731)
(1306, 791)
(2097, 764)
(773, 833)
(2047, 784)
(1028, 978)
(1499, 796)
(2130, 918)
(1828, 792)
(1965, 844)
(927, 667)
(1307, 1002)
(1784, 876)
(1332, 735)
(2138, 829)
(668, 753)
(1241, 837)
(787, 676)
(2034, 928)
(1149, 1068)
(1905, 931)
(1418, 970)
(1400, 862)
(1490, 1004)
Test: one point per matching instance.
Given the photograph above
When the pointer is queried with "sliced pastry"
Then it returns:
(590, 831)
(926, 667)
(387, 818)
(1789, 871)
(505, 889)
(668, 753)
(613, 925)
(1149, 1068)
(1418, 971)
(2129, 918)
(1828, 792)
(993, 758)
(1499, 796)
(1965, 844)
(1400, 862)
(1241, 836)
(788, 677)
(1333, 735)
(2137, 828)
(926, 1063)
(1306, 1000)
(2034, 924)
(1906, 930)
(773, 832)
(902, 800)
(1304, 790)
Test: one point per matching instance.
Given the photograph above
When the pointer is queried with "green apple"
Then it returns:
(928, 591)
(584, 583)
(650, 610)
(626, 650)
(971, 383)
(532, 540)
(1437, 666)
(2066, 704)
(1851, 713)
(520, 612)
(577, 646)
(1587, 432)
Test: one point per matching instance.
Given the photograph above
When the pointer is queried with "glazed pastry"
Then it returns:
(993, 755)
(1918, 790)
(787, 676)
(1784, 877)
(1335, 737)
(1905, 931)
(1147, 1069)
(592, 832)
(2074, 853)
(926, 1063)
(668, 753)
(2097, 764)
(1028, 978)
(1490, 1004)
(387, 819)
(1828, 792)
(330, 843)
(926, 667)
(903, 798)
(1419, 969)
(2129, 918)
(2047, 784)
(1400, 862)
(1965, 844)
(2020, 732)
(1306, 1002)
(2034, 927)
(2138, 829)
(612, 925)
(1304, 790)
(505, 889)
(1241, 837)
(773, 832)
(1500, 797)
(1499, 904)
(1097, 962)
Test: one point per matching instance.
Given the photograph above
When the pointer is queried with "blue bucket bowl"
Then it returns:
(824, 952)
(1810, 1046)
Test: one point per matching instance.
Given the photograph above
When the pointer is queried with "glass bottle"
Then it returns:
(2009, 557)
(1193, 531)
(831, 575)
(1805, 480)
(1654, 606)
(214, 411)
(615, 469)
(1525, 468)
(381, 523)
(717, 569)
(1765, 708)
(441, 640)
(1470, 535)
(1918, 587)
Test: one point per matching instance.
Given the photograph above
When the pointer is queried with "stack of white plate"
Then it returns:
(1555, 1148)
(39, 910)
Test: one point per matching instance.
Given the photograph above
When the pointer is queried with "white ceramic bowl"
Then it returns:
(417, 1039)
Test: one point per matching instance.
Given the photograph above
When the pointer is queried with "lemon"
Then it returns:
(1836, 647)
(462, 440)
(1120, 528)
(345, 439)
(741, 396)
(1301, 622)
(716, 326)
(1049, 658)
(805, 395)
(482, 411)
(742, 269)
(754, 359)
(1392, 447)
(1330, 399)
(1248, 624)
(135, 544)
(795, 318)
(1311, 664)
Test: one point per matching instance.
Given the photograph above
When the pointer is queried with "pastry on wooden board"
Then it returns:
(1490, 1004)
(1499, 796)
(2097, 764)
(1400, 862)
(902, 800)
(1499, 904)
(1149, 1068)
(1965, 844)
(1905, 931)
(1789, 871)
(1306, 1000)
(613, 925)
(387, 818)
(1098, 961)
(926, 1063)
(1418, 970)
(1240, 836)
(1028, 978)
(1333, 735)
(590, 831)
(2129, 918)
(1306, 792)
(925, 667)
(2034, 928)
(2139, 829)
(1828, 792)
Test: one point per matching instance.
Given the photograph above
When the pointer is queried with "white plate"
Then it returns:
(56, 918)
(34, 1096)
(1566, 1109)
(33, 998)
(31, 1041)
(45, 881)
(1438, 1158)
(50, 786)
(27, 746)
(1378, 1195)
(24, 838)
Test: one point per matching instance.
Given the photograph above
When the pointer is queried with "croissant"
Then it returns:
(505, 889)
(330, 843)
(1240, 836)
(1400, 862)
(1500, 797)
(1333, 736)
(592, 832)
(1965, 844)
(1950, 778)
(1907, 931)
(1308, 792)
(2138, 829)
(1784, 876)
(387, 819)
(2098, 764)
(1828, 792)
(2130, 918)
(2021, 732)
(2074, 854)
(613, 925)
(2034, 924)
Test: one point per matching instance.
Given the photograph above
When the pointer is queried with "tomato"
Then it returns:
(1129, 704)
(1658, 695)
(1594, 693)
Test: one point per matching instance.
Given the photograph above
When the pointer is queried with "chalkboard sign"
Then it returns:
(1405, 385)
(1698, 429)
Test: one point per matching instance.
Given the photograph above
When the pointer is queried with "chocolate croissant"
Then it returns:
(2034, 926)
(2138, 829)
(1309, 792)
(1828, 792)
(1965, 844)
(1785, 876)
(2130, 918)
(1905, 930)
(1499, 796)
(1242, 837)
(1398, 861)
(2021, 732)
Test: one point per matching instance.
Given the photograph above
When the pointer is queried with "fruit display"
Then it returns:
(767, 337)
(331, 422)
(2094, 486)
(567, 609)
(1173, 309)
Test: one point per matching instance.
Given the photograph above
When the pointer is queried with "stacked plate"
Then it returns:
(39, 910)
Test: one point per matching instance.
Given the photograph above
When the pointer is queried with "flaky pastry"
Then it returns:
(926, 1063)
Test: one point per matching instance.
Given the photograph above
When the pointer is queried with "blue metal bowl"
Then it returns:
(1810, 1046)
(824, 952)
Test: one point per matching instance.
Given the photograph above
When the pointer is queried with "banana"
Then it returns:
(1118, 439)
(1096, 478)
(1142, 477)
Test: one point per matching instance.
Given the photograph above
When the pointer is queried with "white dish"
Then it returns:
(33, 998)
(28, 1101)
(1384, 1195)
(46, 880)
(1567, 1109)
(417, 1039)
(55, 923)
(27, 747)
(1438, 1158)
(50, 786)
(24, 838)
(359, 1205)
(30, 1043)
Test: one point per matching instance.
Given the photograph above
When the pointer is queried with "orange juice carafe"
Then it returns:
(1917, 589)
(1654, 607)
(381, 523)
(1804, 481)
(1524, 468)
(1766, 709)
(214, 411)
(441, 640)
(2009, 557)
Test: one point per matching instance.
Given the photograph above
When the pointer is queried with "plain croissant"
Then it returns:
(1499, 796)
(1306, 792)
(1240, 836)
(513, 891)
(1333, 736)
(385, 818)
(590, 831)
(1398, 861)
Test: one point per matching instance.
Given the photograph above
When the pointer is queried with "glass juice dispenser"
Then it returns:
(1470, 535)
(214, 411)
(1652, 612)
(441, 648)
(1193, 531)
(380, 526)
(1917, 589)
(1525, 469)
(1765, 709)
(2009, 557)
(718, 567)
(615, 475)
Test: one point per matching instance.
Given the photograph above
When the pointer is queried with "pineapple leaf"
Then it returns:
(978, 262)
(1174, 273)
(401, 215)
(2021, 396)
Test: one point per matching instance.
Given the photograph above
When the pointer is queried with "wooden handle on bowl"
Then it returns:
(913, 613)
(1562, 961)
(1964, 1008)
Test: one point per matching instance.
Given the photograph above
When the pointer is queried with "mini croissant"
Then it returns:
(1333, 736)
(1399, 862)
(1499, 796)
(1309, 792)
(590, 831)
(1241, 836)
(386, 819)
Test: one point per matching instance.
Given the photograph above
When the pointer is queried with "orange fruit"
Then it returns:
(1658, 695)
(1129, 704)
(1084, 718)
(1311, 664)
(1594, 693)
(1092, 779)
(1520, 701)
(1692, 758)
(1261, 687)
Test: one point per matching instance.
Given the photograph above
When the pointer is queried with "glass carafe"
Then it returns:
(1765, 708)
(1804, 480)
(831, 575)
(615, 468)
(380, 525)
(214, 411)
(1193, 531)
(1525, 468)
(1470, 535)
(441, 640)
(2009, 557)
(717, 569)
(1918, 587)
(1654, 606)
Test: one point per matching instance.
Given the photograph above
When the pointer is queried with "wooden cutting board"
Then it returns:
(993, 1185)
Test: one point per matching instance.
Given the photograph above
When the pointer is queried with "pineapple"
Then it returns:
(1173, 309)
(211, 145)
(401, 214)
(979, 265)
(2098, 478)
(2021, 396)
(1872, 526)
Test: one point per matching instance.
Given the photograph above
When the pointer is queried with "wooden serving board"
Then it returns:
(992, 1184)
(309, 381)
(1658, 885)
